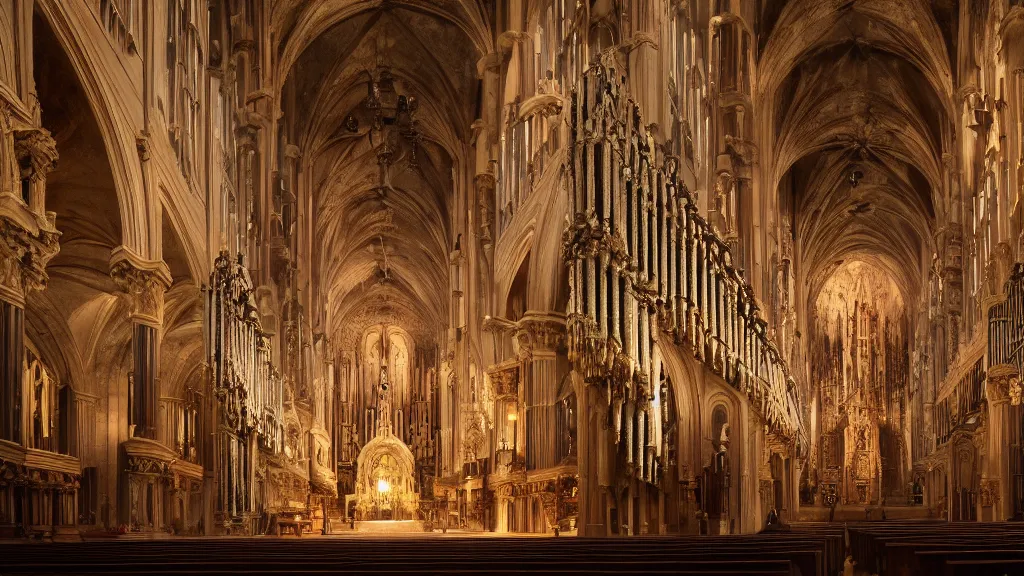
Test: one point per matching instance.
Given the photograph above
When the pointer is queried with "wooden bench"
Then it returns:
(789, 554)
(909, 548)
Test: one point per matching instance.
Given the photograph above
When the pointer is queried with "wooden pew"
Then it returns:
(489, 555)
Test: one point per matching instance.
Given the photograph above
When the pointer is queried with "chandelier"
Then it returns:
(394, 118)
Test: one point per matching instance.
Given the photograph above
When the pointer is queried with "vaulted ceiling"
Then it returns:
(860, 94)
(381, 252)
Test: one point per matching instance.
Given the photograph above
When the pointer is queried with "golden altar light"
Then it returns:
(383, 486)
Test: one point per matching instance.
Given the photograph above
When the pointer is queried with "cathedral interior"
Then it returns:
(593, 268)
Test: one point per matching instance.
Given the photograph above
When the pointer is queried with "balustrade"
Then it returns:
(644, 263)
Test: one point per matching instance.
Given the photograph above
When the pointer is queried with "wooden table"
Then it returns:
(292, 523)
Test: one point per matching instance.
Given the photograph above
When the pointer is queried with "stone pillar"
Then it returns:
(28, 240)
(1002, 389)
(144, 283)
(596, 457)
(540, 336)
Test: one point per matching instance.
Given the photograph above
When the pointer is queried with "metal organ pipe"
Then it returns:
(636, 247)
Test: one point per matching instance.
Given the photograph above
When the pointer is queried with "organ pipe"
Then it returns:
(244, 380)
(641, 257)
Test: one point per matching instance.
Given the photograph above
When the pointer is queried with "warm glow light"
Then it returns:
(383, 486)
(512, 416)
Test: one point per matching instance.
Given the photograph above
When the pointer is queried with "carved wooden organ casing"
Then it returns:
(643, 263)
(245, 382)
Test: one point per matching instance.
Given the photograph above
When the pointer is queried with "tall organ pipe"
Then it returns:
(643, 262)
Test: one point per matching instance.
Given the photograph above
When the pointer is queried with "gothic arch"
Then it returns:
(508, 268)
(548, 268)
(309, 24)
(71, 23)
(685, 387)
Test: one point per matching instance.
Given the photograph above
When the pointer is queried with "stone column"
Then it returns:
(144, 283)
(1002, 389)
(540, 337)
(28, 240)
(596, 457)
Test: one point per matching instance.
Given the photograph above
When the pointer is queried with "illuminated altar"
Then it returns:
(385, 485)
(385, 468)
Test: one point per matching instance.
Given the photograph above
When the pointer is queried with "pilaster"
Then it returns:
(28, 241)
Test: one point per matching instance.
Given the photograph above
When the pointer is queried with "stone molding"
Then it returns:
(146, 456)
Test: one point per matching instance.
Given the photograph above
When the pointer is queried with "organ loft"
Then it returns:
(564, 267)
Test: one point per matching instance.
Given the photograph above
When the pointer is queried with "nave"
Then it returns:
(886, 548)
(595, 268)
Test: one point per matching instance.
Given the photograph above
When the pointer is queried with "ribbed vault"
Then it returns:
(383, 237)
(860, 96)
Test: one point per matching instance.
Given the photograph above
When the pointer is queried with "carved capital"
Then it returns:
(23, 259)
(485, 181)
(36, 150)
(1003, 384)
(144, 283)
(540, 333)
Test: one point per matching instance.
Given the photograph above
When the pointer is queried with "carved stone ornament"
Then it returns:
(23, 259)
(540, 332)
(989, 492)
(36, 149)
(144, 282)
(1003, 383)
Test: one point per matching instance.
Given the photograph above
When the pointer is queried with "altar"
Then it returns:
(385, 487)
(385, 482)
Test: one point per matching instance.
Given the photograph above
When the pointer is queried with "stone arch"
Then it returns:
(686, 394)
(516, 301)
(187, 228)
(71, 23)
(511, 260)
(550, 289)
(311, 24)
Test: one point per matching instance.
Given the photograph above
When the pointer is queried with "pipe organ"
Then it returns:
(644, 263)
(246, 384)
(1006, 325)
(1003, 380)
